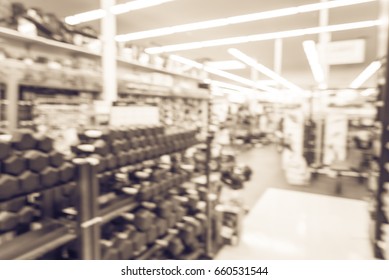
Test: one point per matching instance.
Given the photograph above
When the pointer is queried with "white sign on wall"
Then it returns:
(345, 52)
(134, 115)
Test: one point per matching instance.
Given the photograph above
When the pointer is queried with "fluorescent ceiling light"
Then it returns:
(313, 60)
(230, 86)
(226, 65)
(117, 10)
(236, 19)
(264, 70)
(366, 74)
(267, 82)
(221, 73)
(264, 36)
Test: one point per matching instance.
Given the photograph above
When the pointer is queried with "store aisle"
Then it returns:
(288, 224)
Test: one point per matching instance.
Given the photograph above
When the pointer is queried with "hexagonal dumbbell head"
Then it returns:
(5, 149)
(44, 143)
(49, 177)
(29, 182)
(8, 221)
(56, 159)
(66, 172)
(14, 165)
(36, 161)
(26, 215)
(23, 139)
(9, 186)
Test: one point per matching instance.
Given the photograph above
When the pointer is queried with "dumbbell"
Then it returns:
(9, 186)
(164, 209)
(108, 252)
(118, 133)
(116, 147)
(56, 159)
(175, 247)
(100, 147)
(124, 245)
(49, 177)
(102, 163)
(28, 182)
(145, 191)
(162, 227)
(194, 223)
(69, 189)
(66, 172)
(5, 149)
(122, 158)
(138, 238)
(14, 165)
(26, 215)
(44, 143)
(142, 219)
(152, 234)
(112, 161)
(36, 160)
(172, 220)
(13, 205)
(8, 221)
(23, 139)
(186, 234)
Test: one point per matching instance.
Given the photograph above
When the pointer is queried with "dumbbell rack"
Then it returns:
(382, 217)
(53, 233)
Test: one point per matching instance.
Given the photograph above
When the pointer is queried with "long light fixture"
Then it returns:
(227, 65)
(263, 69)
(221, 73)
(117, 10)
(237, 19)
(314, 61)
(264, 36)
(366, 74)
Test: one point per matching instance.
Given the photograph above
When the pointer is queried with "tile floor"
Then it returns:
(288, 224)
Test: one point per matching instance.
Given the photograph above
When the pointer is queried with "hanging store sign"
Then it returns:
(345, 52)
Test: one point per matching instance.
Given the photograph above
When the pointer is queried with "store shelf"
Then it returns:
(156, 69)
(36, 243)
(15, 35)
(120, 206)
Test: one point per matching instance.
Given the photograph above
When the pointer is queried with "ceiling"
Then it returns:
(294, 63)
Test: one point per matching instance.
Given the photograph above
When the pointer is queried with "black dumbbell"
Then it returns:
(56, 159)
(122, 159)
(142, 219)
(26, 215)
(152, 234)
(69, 189)
(14, 165)
(5, 149)
(44, 143)
(108, 252)
(23, 139)
(49, 177)
(13, 205)
(171, 220)
(138, 238)
(116, 147)
(36, 161)
(29, 182)
(111, 161)
(8, 221)
(66, 172)
(124, 245)
(164, 209)
(100, 147)
(162, 227)
(175, 247)
(9, 186)
(102, 162)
